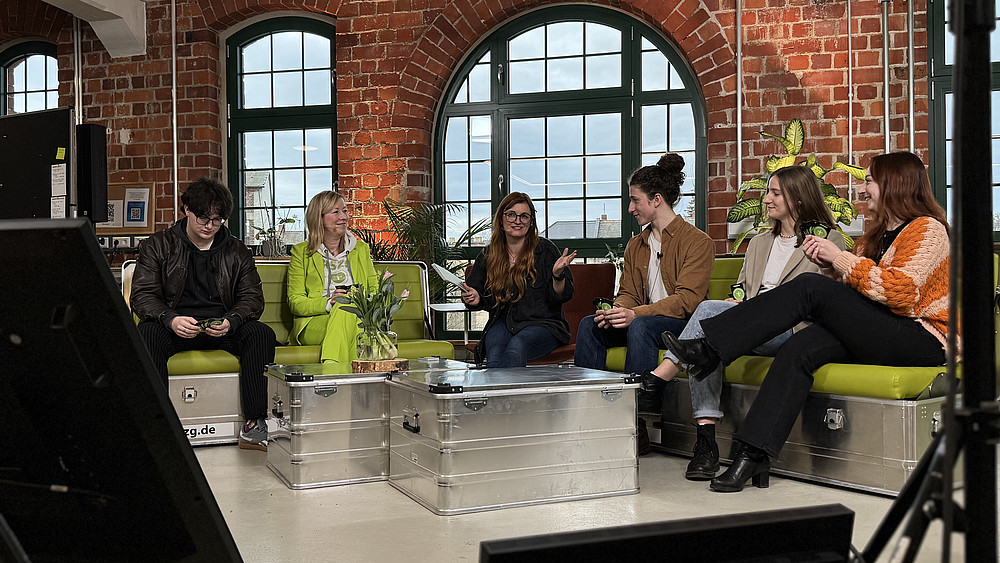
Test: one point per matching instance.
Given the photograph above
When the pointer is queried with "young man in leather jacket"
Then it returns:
(196, 287)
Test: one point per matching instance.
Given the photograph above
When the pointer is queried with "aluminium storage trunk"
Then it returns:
(868, 444)
(208, 406)
(467, 440)
(329, 428)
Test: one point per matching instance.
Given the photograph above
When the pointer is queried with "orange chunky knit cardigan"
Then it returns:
(911, 278)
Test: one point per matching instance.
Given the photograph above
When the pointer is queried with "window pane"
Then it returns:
(257, 149)
(564, 220)
(527, 77)
(565, 74)
(654, 71)
(528, 45)
(565, 39)
(318, 88)
(456, 140)
(289, 187)
(51, 99)
(19, 103)
(603, 133)
(257, 91)
(319, 147)
(51, 74)
(285, 151)
(36, 73)
(15, 77)
(675, 80)
(318, 180)
(604, 218)
(565, 135)
(287, 50)
(257, 55)
(528, 176)
(287, 89)
(479, 83)
(527, 137)
(604, 71)
(681, 128)
(480, 180)
(257, 189)
(481, 134)
(36, 101)
(604, 175)
(456, 182)
(654, 129)
(317, 51)
(686, 208)
(456, 222)
(603, 39)
(295, 230)
(565, 177)
(481, 211)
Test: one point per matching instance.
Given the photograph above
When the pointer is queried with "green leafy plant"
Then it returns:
(272, 238)
(417, 232)
(375, 310)
(843, 210)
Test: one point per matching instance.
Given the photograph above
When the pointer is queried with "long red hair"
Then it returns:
(904, 193)
(503, 280)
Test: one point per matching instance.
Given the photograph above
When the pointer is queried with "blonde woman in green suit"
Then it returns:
(793, 198)
(323, 267)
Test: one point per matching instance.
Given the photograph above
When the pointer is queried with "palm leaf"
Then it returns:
(856, 171)
(753, 184)
(744, 209)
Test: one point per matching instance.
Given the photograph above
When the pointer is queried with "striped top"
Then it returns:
(911, 278)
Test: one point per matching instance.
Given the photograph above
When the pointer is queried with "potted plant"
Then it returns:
(375, 310)
(843, 210)
(272, 238)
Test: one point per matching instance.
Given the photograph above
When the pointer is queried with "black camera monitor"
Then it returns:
(94, 465)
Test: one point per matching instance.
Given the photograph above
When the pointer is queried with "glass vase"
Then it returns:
(377, 345)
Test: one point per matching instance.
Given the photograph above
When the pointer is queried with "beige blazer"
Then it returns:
(759, 251)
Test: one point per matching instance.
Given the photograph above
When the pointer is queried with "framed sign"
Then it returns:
(130, 209)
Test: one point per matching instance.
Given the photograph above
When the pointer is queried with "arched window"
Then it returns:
(282, 134)
(563, 104)
(29, 78)
(942, 123)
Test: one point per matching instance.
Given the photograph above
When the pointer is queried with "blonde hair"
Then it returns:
(319, 205)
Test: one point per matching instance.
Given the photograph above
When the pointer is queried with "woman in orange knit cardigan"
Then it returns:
(888, 306)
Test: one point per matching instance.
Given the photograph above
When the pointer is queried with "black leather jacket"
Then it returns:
(161, 272)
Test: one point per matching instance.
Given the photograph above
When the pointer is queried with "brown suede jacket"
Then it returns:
(686, 266)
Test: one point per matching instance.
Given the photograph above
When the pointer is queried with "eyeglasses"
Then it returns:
(216, 221)
(512, 217)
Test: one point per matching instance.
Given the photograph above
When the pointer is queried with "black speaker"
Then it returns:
(92, 171)
(817, 534)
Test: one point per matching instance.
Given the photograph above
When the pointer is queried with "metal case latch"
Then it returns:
(190, 394)
(935, 423)
(325, 390)
(276, 408)
(611, 395)
(409, 414)
(475, 403)
(834, 419)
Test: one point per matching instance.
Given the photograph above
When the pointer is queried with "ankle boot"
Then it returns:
(641, 437)
(649, 397)
(705, 463)
(751, 464)
(697, 353)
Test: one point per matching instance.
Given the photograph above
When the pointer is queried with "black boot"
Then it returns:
(705, 463)
(750, 464)
(641, 437)
(649, 397)
(698, 354)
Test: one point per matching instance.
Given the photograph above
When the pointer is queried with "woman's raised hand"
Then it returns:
(562, 262)
(469, 295)
(820, 251)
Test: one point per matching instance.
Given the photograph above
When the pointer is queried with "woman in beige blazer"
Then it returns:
(793, 198)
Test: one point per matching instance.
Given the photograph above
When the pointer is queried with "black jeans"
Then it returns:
(848, 328)
(253, 343)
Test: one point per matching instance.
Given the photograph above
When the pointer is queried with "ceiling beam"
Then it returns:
(120, 24)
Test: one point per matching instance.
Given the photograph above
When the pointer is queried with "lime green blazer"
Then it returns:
(305, 283)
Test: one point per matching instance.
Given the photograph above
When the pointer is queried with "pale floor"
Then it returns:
(375, 522)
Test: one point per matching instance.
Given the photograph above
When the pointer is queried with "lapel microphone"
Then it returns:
(659, 255)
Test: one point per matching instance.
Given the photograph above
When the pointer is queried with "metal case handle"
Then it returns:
(414, 427)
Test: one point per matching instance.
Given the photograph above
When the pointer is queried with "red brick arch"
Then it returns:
(221, 14)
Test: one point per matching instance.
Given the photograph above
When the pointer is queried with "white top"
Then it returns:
(654, 279)
(781, 251)
(337, 270)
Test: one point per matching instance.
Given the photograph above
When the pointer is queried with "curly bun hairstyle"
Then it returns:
(664, 178)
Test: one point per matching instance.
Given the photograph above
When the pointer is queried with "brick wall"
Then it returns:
(395, 57)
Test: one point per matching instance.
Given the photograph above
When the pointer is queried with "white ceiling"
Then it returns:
(120, 24)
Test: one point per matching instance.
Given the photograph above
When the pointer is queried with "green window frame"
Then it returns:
(942, 56)
(563, 104)
(281, 126)
(29, 78)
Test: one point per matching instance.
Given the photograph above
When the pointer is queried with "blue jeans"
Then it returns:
(705, 394)
(641, 339)
(506, 350)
